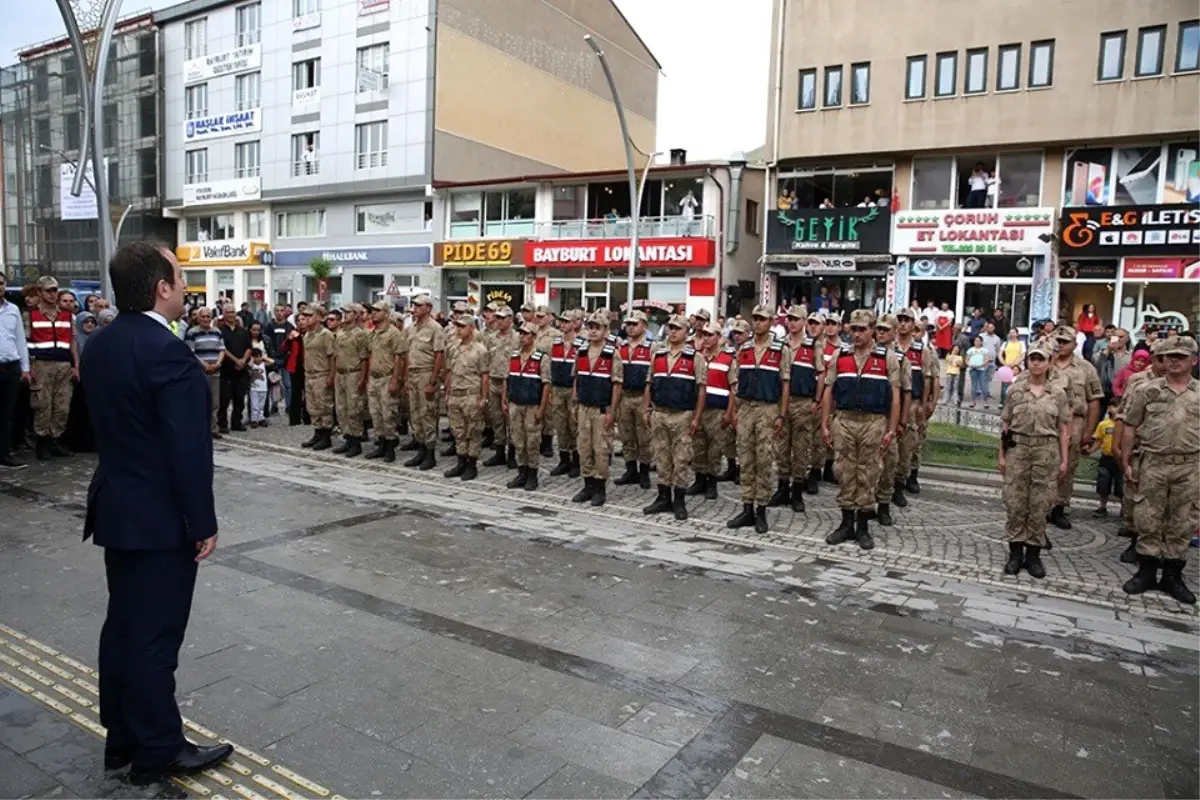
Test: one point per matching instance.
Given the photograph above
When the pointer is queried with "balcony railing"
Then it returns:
(498, 227)
(306, 167)
(621, 228)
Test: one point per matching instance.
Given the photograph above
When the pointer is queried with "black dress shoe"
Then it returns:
(8, 462)
(191, 760)
(116, 758)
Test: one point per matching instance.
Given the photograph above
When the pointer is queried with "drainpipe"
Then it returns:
(721, 235)
(736, 168)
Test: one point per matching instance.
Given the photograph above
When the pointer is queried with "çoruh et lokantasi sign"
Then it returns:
(974, 231)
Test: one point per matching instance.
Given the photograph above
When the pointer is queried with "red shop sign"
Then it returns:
(1162, 268)
(658, 252)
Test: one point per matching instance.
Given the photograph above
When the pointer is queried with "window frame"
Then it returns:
(983, 82)
(302, 68)
(298, 8)
(952, 55)
(223, 222)
(188, 93)
(1142, 33)
(300, 167)
(199, 155)
(198, 46)
(245, 38)
(1034, 47)
(281, 227)
(923, 60)
(753, 222)
(841, 73)
(262, 224)
(1188, 24)
(809, 72)
(368, 158)
(247, 79)
(360, 59)
(1001, 51)
(1122, 37)
(853, 83)
(242, 168)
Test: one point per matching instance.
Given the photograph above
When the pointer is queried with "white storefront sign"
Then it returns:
(239, 122)
(306, 97)
(231, 62)
(237, 190)
(974, 231)
(84, 206)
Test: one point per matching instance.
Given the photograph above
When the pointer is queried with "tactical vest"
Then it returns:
(804, 369)
(562, 356)
(593, 380)
(716, 390)
(868, 391)
(636, 363)
(525, 380)
(760, 381)
(675, 387)
(914, 354)
(50, 340)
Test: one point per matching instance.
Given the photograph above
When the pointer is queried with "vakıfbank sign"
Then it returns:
(238, 190)
(239, 122)
(231, 252)
(231, 62)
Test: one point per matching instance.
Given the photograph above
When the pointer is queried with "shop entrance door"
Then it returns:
(1012, 299)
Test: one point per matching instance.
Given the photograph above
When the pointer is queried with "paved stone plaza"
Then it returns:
(365, 630)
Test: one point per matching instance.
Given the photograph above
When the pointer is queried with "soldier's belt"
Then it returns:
(1029, 439)
(421, 370)
(463, 392)
(347, 370)
(381, 374)
(1169, 458)
(314, 373)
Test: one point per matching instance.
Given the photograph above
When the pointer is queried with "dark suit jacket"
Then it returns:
(150, 409)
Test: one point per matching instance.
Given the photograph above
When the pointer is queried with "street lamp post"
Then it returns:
(634, 193)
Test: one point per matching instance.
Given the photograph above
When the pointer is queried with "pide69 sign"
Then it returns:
(479, 253)
(656, 252)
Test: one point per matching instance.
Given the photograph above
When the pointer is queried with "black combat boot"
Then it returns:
(599, 492)
(471, 471)
(344, 446)
(564, 463)
(531, 479)
(547, 446)
(575, 469)
(1016, 558)
(451, 450)
(309, 442)
(1049, 544)
(828, 475)
(41, 447)
(380, 449)
(862, 531)
(412, 446)
(326, 441)
(814, 481)
(884, 515)
(898, 498)
(519, 481)
(1058, 517)
(661, 503)
(710, 487)
(679, 506)
(428, 462)
(389, 450)
(744, 519)
(911, 485)
(460, 466)
(843, 532)
(417, 457)
(1033, 562)
(1172, 581)
(760, 519)
(798, 496)
(698, 485)
(1129, 555)
(585, 494)
(497, 459)
(1145, 578)
(630, 476)
(402, 428)
(731, 472)
(644, 475)
(511, 457)
(489, 439)
(355, 448)
(782, 496)
(58, 449)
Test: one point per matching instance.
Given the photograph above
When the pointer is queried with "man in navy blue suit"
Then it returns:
(150, 506)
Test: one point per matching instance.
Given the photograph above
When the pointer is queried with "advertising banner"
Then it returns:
(1164, 230)
(84, 206)
(808, 231)
(654, 252)
(975, 232)
(237, 190)
(216, 127)
(231, 62)
(1162, 268)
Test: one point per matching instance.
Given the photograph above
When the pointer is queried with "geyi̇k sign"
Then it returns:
(829, 230)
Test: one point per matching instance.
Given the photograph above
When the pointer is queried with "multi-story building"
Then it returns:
(316, 130)
(47, 230)
(563, 239)
(1034, 158)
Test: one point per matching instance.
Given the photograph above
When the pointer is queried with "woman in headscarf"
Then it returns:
(85, 326)
(1140, 360)
(105, 316)
(79, 425)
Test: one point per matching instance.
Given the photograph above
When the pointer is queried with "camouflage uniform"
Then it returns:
(803, 421)
(425, 341)
(523, 426)
(1134, 383)
(712, 440)
(318, 394)
(594, 438)
(756, 430)
(1032, 462)
(352, 348)
(884, 489)
(467, 370)
(1082, 385)
(386, 344)
(631, 421)
(670, 429)
(502, 346)
(912, 430)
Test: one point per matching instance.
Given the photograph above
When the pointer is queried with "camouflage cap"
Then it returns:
(909, 313)
(833, 318)
(739, 326)
(381, 305)
(703, 314)
(1175, 345)
(315, 309)
(463, 319)
(527, 308)
(460, 307)
(504, 311)
(763, 312)
(796, 312)
(577, 314)
(635, 316)
(816, 316)
(47, 282)
(711, 328)
(493, 306)
(887, 321)
(677, 321)
(1039, 349)
(862, 317)
(598, 318)
(528, 327)
(1064, 333)
(543, 310)
(422, 300)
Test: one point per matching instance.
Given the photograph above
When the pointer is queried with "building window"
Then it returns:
(70, 75)
(306, 152)
(807, 99)
(464, 213)
(195, 101)
(753, 221)
(71, 130)
(299, 224)
(114, 180)
(248, 21)
(41, 83)
(976, 77)
(256, 224)
(1008, 68)
(1150, 51)
(41, 132)
(112, 66)
(147, 116)
(947, 75)
(1187, 48)
(509, 212)
(860, 83)
(373, 68)
(306, 74)
(370, 145)
(195, 166)
(1112, 57)
(195, 39)
(302, 8)
(147, 57)
(248, 91)
(931, 180)
(148, 171)
(914, 78)
(110, 125)
(1041, 63)
(1019, 180)
(247, 159)
(833, 87)
(45, 189)
(209, 229)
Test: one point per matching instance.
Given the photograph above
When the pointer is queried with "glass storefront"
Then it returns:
(478, 287)
(1012, 299)
(839, 292)
(1173, 303)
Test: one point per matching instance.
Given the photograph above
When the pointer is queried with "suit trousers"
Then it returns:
(214, 389)
(235, 388)
(149, 602)
(10, 388)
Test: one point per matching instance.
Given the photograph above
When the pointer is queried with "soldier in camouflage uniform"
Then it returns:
(1036, 423)
(426, 361)
(887, 490)
(1082, 385)
(1164, 417)
(319, 362)
(353, 351)
(739, 333)
(525, 402)
(719, 420)
(803, 417)
(504, 341)
(485, 338)
(467, 396)
(1156, 370)
(383, 389)
(563, 407)
(673, 407)
(598, 378)
(543, 320)
(923, 372)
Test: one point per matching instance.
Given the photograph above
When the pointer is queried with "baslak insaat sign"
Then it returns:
(847, 231)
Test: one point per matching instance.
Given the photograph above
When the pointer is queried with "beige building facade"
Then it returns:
(966, 129)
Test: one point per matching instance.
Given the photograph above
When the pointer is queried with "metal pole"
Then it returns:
(107, 239)
(634, 196)
(645, 174)
(85, 102)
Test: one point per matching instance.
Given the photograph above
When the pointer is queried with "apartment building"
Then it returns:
(1030, 156)
(46, 229)
(315, 129)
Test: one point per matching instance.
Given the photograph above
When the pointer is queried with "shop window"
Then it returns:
(465, 210)
(210, 229)
(1187, 47)
(509, 213)
(1112, 56)
(1181, 184)
(840, 187)
(1137, 175)
(931, 178)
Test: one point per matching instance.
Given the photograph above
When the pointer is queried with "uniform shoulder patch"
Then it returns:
(515, 354)
(689, 351)
(607, 350)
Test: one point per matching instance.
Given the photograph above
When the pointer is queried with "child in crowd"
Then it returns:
(259, 364)
(1109, 478)
(977, 362)
(954, 363)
